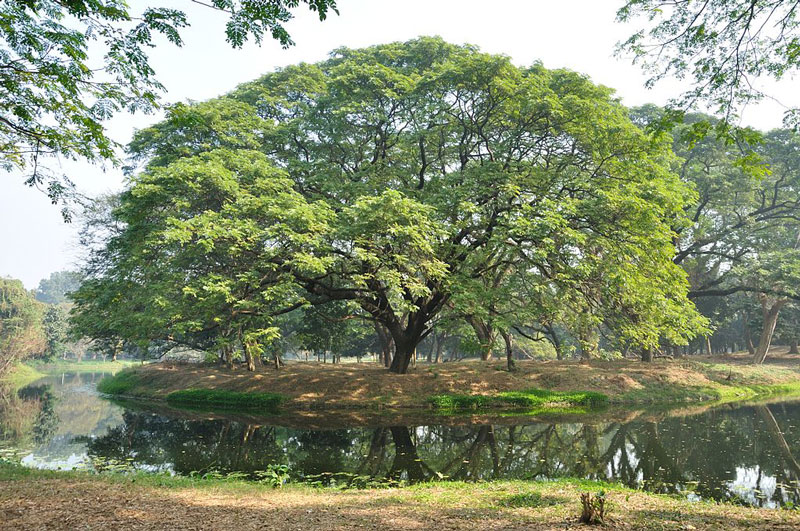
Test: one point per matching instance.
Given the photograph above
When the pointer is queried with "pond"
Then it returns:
(742, 454)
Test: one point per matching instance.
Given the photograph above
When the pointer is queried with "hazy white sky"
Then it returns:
(576, 34)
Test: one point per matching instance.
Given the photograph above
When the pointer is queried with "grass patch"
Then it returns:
(529, 399)
(221, 398)
(57, 366)
(21, 375)
(121, 383)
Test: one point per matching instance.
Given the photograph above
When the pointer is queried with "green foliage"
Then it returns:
(54, 290)
(56, 99)
(21, 333)
(721, 45)
(119, 384)
(223, 399)
(56, 329)
(403, 178)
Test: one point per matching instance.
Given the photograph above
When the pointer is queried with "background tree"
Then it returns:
(21, 333)
(54, 290)
(55, 332)
(723, 46)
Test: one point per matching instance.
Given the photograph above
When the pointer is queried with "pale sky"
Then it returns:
(576, 34)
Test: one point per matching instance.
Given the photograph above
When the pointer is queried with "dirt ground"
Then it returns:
(311, 385)
(97, 504)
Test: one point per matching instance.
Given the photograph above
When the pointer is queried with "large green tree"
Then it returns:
(21, 333)
(68, 65)
(413, 167)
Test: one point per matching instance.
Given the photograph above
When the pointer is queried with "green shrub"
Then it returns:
(529, 398)
(221, 398)
(119, 384)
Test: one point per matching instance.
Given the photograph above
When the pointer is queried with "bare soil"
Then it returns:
(311, 385)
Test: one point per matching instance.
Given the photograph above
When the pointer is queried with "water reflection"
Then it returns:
(742, 454)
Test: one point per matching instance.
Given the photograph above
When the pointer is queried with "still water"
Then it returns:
(741, 454)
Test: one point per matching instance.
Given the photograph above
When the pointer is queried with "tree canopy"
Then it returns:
(723, 46)
(403, 178)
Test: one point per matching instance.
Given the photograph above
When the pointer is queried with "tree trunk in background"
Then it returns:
(277, 360)
(387, 344)
(770, 312)
(228, 354)
(647, 355)
(485, 334)
(793, 347)
(117, 349)
(248, 356)
(708, 346)
(509, 341)
(588, 342)
(439, 346)
(748, 339)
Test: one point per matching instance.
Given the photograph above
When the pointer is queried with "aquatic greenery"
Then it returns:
(222, 398)
(529, 398)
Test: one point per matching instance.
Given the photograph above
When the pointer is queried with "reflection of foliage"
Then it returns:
(46, 422)
(27, 415)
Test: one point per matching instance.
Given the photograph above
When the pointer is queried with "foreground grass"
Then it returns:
(470, 386)
(161, 502)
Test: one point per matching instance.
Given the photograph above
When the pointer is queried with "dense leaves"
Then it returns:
(400, 177)
(68, 65)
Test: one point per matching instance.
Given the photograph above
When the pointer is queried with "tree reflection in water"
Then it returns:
(715, 454)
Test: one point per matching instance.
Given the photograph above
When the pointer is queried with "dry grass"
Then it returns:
(328, 386)
(82, 502)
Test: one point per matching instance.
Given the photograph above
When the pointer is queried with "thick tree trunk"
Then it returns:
(793, 347)
(439, 346)
(402, 358)
(588, 342)
(768, 328)
(485, 334)
(647, 355)
(227, 351)
(117, 349)
(509, 341)
(248, 356)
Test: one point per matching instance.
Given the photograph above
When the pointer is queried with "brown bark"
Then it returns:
(793, 347)
(249, 347)
(647, 355)
(509, 341)
(485, 334)
(770, 312)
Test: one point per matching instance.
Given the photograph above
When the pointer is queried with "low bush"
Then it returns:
(221, 398)
(529, 398)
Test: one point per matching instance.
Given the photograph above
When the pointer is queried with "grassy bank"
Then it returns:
(58, 366)
(161, 502)
(20, 375)
(469, 385)
(23, 374)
